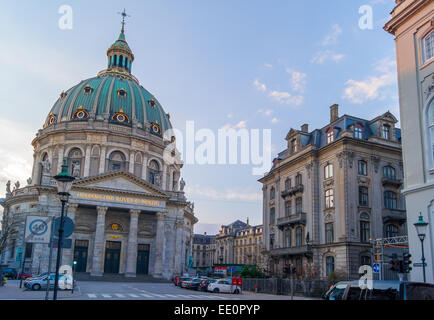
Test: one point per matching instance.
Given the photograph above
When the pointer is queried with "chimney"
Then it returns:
(334, 113)
(248, 221)
(305, 128)
(204, 233)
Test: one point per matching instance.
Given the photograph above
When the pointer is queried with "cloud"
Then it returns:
(374, 87)
(267, 112)
(16, 153)
(333, 36)
(286, 98)
(240, 125)
(268, 65)
(260, 86)
(298, 80)
(228, 194)
(274, 120)
(322, 56)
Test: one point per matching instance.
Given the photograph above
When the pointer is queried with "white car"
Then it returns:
(224, 286)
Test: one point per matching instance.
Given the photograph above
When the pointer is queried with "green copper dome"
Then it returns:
(114, 95)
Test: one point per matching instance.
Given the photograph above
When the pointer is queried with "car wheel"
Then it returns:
(36, 287)
(216, 290)
(237, 291)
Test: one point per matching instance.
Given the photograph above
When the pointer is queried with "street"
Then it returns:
(96, 290)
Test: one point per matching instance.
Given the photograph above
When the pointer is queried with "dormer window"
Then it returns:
(155, 128)
(330, 136)
(120, 117)
(151, 103)
(88, 90)
(80, 114)
(122, 93)
(428, 46)
(358, 132)
(293, 146)
(385, 132)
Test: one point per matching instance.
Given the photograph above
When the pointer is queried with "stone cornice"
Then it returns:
(398, 18)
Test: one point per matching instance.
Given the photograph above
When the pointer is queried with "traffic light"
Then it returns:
(287, 269)
(395, 263)
(406, 262)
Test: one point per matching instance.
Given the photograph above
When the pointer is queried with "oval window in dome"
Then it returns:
(88, 89)
(81, 114)
(122, 93)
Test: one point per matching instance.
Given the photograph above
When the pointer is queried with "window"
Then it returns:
(365, 260)
(74, 162)
(288, 208)
(154, 171)
(365, 232)
(29, 250)
(358, 132)
(329, 236)
(272, 193)
(271, 241)
(329, 198)
(431, 130)
(428, 46)
(288, 238)
(287, 184)
(363, 168)
(272, 215)
(386, 132)
(117, 161)
(298, 180)
(330, 136)
(298, 236)
(330, 265)
(293, 146)
(298, 205)
(391, 231)
(390, 200)
(389, 172)
(363, 197)
(328, 171)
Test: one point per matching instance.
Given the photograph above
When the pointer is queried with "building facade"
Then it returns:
(203, 251)
(412, 24)
(248, 246)
(127, 203)
(330, 192)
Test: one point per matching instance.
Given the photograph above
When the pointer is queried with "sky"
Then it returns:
(222, 64)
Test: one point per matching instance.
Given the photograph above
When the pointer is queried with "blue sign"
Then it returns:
(376, 268)
(68, 227)
(230, 269)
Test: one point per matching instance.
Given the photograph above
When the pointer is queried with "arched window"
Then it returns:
(389, 172)
(299, 236)
(391, 231)
(298, 180)
(431, 126)
(328, 171)
(74, 162)
(390, 200)
(385, 132)
(365, 260)
(330, 265)
(272, 193)
(428, 46)
(121, 61)
(330, 135)
(358, 132)
(365, 228)
(117, 161)
(362, 168)
(154, 170)
(272, 215)
(363, 196)
(288, 238)
(115, 60)
(126, 63)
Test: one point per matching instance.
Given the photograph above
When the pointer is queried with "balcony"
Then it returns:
(391, 182)
(293, 251)
(292, 220)
(396, 215)
(293, 191)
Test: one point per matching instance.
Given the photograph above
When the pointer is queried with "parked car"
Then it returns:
(65, 282)
(224, 286)
(381, 290)
(24, 275)
(193, 283)
(183, 282)
(180, 280)
(42, 275)
(204, 284)
(10, 273)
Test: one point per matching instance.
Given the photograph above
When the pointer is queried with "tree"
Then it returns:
(337, 275)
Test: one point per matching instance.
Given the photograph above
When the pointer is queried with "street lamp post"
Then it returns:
(64, 184)
(421, 232)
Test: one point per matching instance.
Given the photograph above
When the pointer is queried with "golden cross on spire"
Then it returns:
(124, 15)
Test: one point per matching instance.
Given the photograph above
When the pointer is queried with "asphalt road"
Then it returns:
(96, 290)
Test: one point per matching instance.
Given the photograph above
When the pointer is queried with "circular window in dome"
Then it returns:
(80, 114)
(155, 127)
(122, 93)
(51, 119)
(120, 117)
(88, 89)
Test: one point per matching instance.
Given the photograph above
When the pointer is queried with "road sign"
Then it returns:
(37, 229)
(19, 255)
(68, 227)
(66, 243)
(376, 268)
(230, 269)
(419, 265)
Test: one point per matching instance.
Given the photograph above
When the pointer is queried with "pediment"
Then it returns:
(119, 181)
(291, 133)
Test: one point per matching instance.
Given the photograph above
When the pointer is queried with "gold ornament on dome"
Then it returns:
(81, 113)
(120, 117)
(155, 127)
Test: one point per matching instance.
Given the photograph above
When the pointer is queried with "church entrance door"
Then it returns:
(112, 257)
(80, 255)
(142, 259)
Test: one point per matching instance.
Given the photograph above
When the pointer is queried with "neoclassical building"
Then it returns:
(203, 251)
(412, 25)
(128, 205)
(330, 192)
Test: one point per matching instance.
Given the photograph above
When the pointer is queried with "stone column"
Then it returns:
(36, 169)
(131, 165)
(98, 246)
(87, 161)
(144, 167)
(159, 244)
(179, 225)
(170, 188)
(102, 159)
(164, 180)
(60, 160)
(130, 270)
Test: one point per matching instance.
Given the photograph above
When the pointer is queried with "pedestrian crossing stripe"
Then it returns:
(156, 295)
(120, 295)
(133, 295)
(90, 295)
(106, 295)
(146, 295)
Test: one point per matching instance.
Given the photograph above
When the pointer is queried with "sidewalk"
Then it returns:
(12, 291)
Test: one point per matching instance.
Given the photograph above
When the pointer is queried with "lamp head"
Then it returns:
(421, 227)
(64, 181)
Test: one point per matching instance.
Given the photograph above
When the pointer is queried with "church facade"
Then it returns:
(128, 205)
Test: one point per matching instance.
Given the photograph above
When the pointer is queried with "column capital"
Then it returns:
(101, 210)
(72, 207)
(135, 213)
(160, 215)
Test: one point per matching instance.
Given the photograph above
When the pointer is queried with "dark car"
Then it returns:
(10, 273)
(193, 284)
(182, 279)
(204, 284)
(381, 290)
